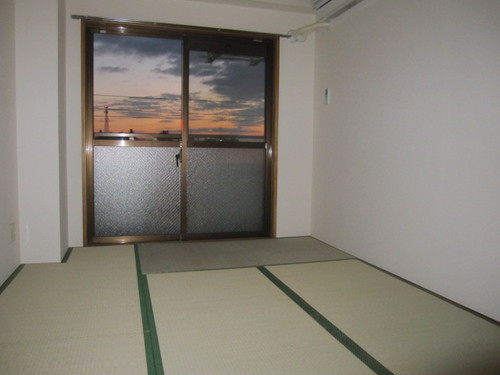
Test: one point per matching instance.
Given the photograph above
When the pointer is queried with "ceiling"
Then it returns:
(297, 6)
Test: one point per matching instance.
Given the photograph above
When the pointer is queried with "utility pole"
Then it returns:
(106, 119)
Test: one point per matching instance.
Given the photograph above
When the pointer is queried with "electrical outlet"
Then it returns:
(12, 228)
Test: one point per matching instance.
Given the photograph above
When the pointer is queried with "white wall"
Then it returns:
(295, 139)
(9, 247)
(37, 108)
(296, 95)
(407, 156)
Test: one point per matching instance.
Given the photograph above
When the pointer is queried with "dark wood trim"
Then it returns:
(185, 136)
(174, 29)
(132, 239)
(273, 153)
(215, 144)
(83, 93)
(113, 143)
(87, 134)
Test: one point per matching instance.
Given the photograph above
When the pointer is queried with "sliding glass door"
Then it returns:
(179, 133)
(226, 156)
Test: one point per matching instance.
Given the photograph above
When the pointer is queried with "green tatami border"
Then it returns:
(11, 278)
(67, 255)
(340, 336)
(434, 294)
(152, 346)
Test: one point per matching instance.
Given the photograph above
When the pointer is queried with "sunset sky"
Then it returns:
(139, 78)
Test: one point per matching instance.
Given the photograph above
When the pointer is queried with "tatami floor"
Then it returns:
(98, 314)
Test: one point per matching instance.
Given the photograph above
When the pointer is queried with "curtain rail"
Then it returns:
(152, 23)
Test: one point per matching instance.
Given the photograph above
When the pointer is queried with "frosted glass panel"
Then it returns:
(136, 191)
(225, 190)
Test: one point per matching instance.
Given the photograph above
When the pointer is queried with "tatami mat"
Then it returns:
(406, 329)
(80, 317)
(237, 322)
(212, 255)
(84, 317)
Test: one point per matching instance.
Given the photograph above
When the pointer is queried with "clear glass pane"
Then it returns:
(136, 191)
(226, 189)
(226, 97)
(137, 87)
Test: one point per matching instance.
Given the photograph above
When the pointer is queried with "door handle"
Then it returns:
(178, 159)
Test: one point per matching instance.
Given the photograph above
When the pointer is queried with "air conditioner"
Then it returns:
(326, 8)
